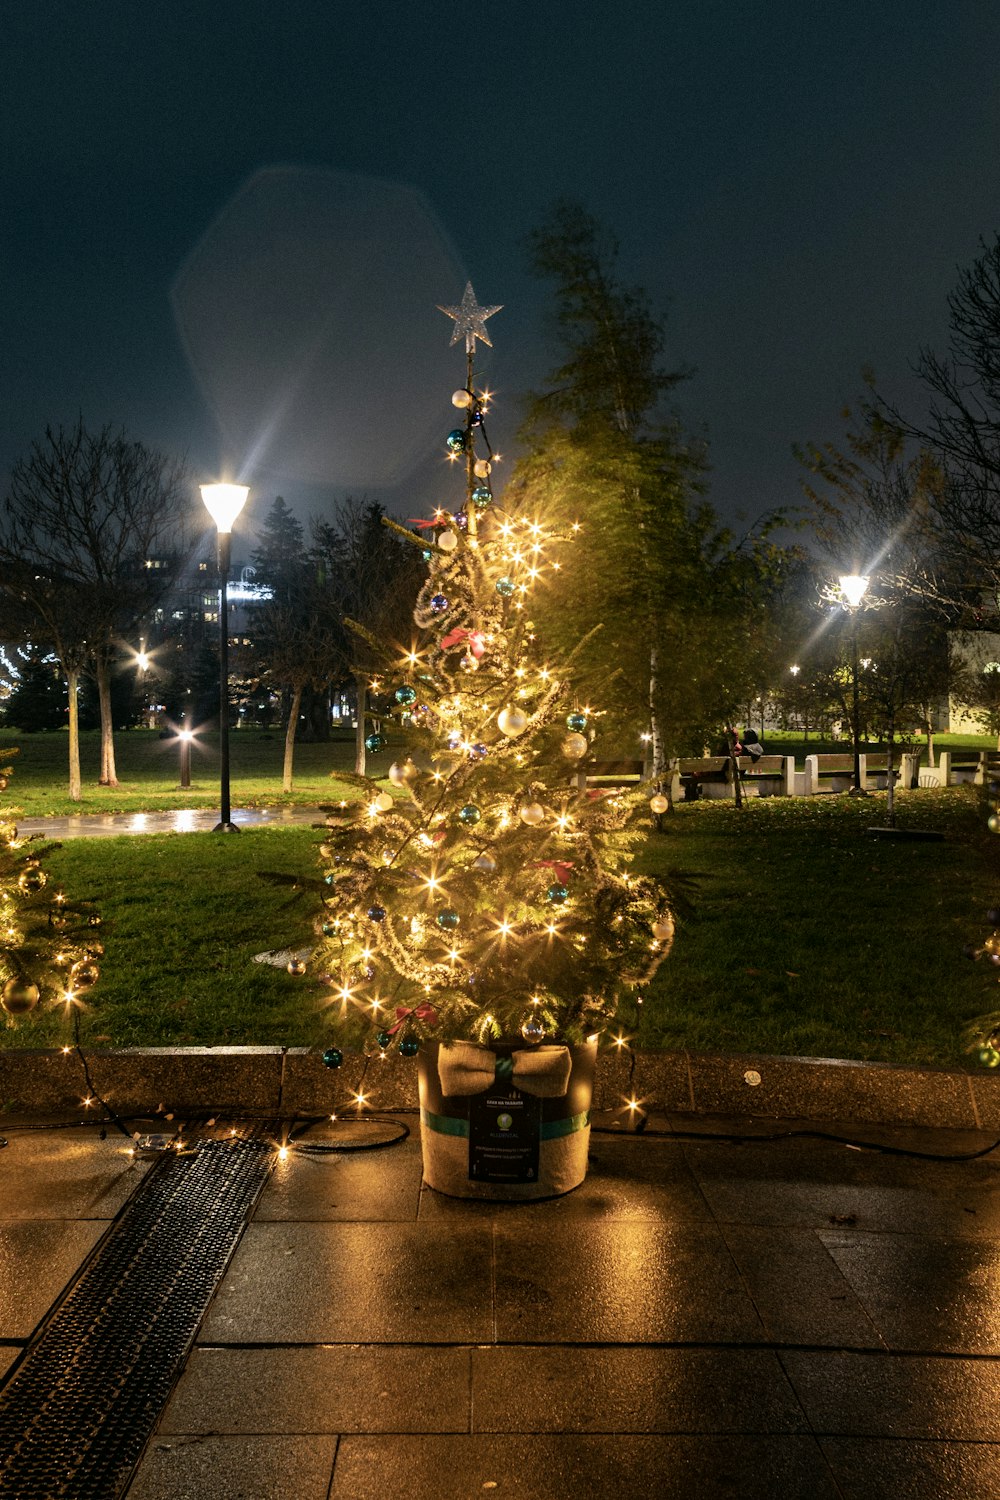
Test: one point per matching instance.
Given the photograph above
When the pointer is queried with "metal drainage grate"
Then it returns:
(75, 1417)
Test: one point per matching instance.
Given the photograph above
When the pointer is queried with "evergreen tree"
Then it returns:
(48, 945)
(679, 605)
(492, 896)
(37, 700)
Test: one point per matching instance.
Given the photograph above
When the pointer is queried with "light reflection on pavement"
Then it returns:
(180, 820)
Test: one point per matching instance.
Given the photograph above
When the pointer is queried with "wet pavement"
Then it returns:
(180, 820)
(758, 1318)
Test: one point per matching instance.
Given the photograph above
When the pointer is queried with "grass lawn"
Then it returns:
(809, 939)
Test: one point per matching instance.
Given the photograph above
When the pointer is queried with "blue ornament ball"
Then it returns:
(374, 743)
(576, 722)
(427, 554)
(481, 497)
(455, 440)
(478, 751)
(462, 521)
(406, 694)
(409, 1046)
(332, 1057)
(556, 894)
(505, 587)
(439, 604)
(383, 1038)
(376, 913)
(477, 416)
(469, 815)
(448, 920)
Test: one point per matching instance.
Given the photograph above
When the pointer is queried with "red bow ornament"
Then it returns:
(423, 1012)
(477, 644)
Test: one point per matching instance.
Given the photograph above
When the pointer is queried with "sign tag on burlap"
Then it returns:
(504, 1130)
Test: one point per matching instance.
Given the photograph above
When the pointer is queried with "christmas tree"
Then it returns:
(492, 896)
(48, 945)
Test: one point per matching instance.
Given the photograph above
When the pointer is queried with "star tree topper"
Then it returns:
(470, 319)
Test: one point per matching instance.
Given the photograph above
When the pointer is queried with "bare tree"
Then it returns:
(84, 514)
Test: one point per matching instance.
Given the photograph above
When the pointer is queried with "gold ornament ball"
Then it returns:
(296, 966)
(574, 746)
(448, 541)
(532, 813)
(659, 803)
(512, 722)
(384, 801)
(663, 928)
(993, 823)
(461, 399)
(83, 975)
(32, 879)
(18, 996)
(992, 945)
(469, 663)
(482, 468)
(400, 772)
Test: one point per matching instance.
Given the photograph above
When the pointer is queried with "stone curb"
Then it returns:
(271, 1080)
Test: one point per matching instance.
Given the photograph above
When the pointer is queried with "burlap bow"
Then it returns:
(465, 1068)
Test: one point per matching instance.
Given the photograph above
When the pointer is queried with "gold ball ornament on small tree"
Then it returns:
(658, 803)
(385, 802)
(575, 746)
(19, 996)
(512, 721)
(532, 813)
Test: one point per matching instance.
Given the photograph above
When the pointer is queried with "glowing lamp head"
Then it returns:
(224, 503)
(853, 586)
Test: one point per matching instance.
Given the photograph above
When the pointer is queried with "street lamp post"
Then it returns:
(184, 737)
(224, 503)
(853, 587)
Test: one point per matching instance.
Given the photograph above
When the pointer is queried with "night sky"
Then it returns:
(794, 185)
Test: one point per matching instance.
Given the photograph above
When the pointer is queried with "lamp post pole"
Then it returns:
(224, 503)
(853, 587)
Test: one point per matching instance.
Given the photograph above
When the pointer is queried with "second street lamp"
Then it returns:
(224, 503)
(853, 587)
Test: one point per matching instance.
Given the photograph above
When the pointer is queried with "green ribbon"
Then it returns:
(550, 1130)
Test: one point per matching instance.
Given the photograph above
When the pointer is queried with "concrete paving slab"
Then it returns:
(235, 1468)
(924, 1293)
(355, 1283)
(880, 1469)
(66, 1174)
(618, 1282)
(819, 1184)
(899, 1396)
(37, 1259)
(627, 1178)
(572, 1467)
(7, 1358)
(800, 1293)
(530, 1389)
(325, 1388)
(355, 1186)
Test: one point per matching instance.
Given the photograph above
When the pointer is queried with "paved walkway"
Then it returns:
(180, 820)
(701, 1318)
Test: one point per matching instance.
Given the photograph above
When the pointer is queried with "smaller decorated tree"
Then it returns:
(491, 894)
(48, 945)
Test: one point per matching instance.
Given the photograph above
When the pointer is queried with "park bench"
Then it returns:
(835, 773)
(700, 776)
(768, 775)
(609, 773)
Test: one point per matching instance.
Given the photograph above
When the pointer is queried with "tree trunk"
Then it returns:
(361, 693)
(109, 776)
(73, 685)
(293, 720)
(890, 780)
(657, 754)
